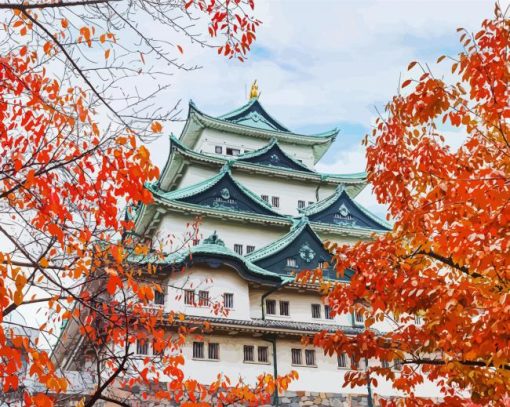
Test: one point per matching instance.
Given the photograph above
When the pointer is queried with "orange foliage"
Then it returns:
(446, 259)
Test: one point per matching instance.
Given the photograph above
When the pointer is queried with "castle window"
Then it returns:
(238, 248)
(228, 300)
(198, 350)
(250, 249)
(203, 298)
(300, 204)
(354, 364)
(275, 201)
(248, 353)
(159, 298)
(291, 262)
(316, 310)
(214, 351)
(270, 307)
(327, 312)
(284, 308)
(418, 319)
(189, 297)
(296, 356)
(342, 360)
(233, 151)
(265, 198)
(218, 149)
(385, 364)
(397, 364)
(310, 357)
(359, 319)
(262, 354)
(142, 347)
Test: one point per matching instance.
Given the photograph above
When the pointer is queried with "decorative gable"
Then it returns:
(301, 249)
(254, 115)
(339, 209)
(220, 192)
(272, 155)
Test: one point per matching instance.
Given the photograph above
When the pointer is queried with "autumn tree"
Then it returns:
(79, 82)
(446, 259)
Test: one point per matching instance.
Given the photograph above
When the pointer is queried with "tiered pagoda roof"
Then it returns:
(258, 161)
(252, 120)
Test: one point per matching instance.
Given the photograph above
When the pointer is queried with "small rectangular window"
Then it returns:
(342, 360)
(284, 308)
(418, 320)
(228, 300)
(275, 201)
(159, 298)
(248, 353)
(291, 262)
(310, 357)
(296, 356)
(262, 354)
(198, 350)
(189, 297)
(327, 312)
(265, 198)
(270, 307)
(213, 351)
(385, 364)
(142, 347)
(250, 249)
(316, 310)
(233, 151)
(397, 364)
(354, 364)
(218, 149)
(238, 248)
(300, 204)
(203, 298)
(359, 319)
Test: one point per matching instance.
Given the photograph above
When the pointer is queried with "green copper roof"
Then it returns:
(252, 114)
(340, 193)
(212, 246)
(208, 184)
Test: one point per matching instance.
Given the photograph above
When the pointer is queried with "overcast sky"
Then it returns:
(323, 64)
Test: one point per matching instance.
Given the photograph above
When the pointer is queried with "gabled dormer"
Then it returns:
(219, 192)
(252, 114)
(300, 249)
(339, 209)
(273, 155)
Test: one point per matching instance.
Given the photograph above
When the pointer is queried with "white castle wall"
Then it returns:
(230, 232)
(212, 137)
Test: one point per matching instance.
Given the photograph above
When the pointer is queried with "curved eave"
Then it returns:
(354, 183)
(197, 121)
(269, 326)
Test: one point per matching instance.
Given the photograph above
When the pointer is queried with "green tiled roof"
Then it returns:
(283, 242)
(327, 202)
(206, 184)
(211, 247)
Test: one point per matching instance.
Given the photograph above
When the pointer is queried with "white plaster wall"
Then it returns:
(217, 282)
(230, 232)
(212, 137)
(325, 377)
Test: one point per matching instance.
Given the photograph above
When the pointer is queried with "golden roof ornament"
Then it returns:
(254, 91)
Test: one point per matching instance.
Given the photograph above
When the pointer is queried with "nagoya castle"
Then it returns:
(241, 210)
(264, 212)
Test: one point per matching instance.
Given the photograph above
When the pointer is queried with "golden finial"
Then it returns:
(254, 92)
